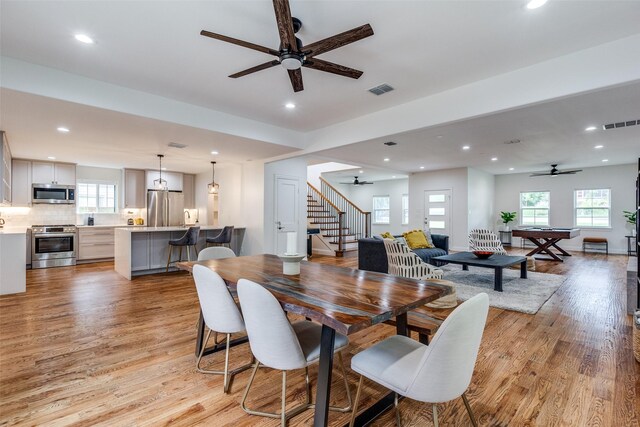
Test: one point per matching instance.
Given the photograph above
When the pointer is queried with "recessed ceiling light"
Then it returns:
(534, 4)
(63, 129)
(360, 171)
(511, 169)
(421, 167)
(494, 159)
(439, 136)
(215, 153)
(290, 105)
(605, 160)
(597, 147)
(590, 128)
(83, 38)
(51, 158)
(465, 147)
(393, 176)
(164, 169)
(386, 159)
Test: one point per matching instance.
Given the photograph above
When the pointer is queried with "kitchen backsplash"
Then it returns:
(60, 214)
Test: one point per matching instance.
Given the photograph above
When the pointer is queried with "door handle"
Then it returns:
(280, 227)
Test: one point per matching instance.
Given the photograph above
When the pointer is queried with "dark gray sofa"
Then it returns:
(373, 257)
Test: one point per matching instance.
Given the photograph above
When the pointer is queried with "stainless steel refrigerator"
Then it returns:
(165, 208)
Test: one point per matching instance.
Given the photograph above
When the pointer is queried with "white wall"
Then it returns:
(253, 202)
(362, 197)
(447, 179)
(315, 171)
(620, 179)
(480, 199)
(297, 168)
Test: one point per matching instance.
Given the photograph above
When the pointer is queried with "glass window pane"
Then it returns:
(436, 198)
(436, 224)
(436, 211)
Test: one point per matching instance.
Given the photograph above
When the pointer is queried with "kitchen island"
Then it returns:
(144, 250)
(13, 260)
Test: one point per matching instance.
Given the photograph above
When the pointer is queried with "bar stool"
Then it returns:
(189, 239)
(222, 239)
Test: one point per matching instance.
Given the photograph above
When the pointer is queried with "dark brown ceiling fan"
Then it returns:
(357, 182)
(292, 54)
(555, 172)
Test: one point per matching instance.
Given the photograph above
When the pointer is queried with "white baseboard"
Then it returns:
(318, 251)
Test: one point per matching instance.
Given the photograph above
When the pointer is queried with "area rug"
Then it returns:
(523, 295)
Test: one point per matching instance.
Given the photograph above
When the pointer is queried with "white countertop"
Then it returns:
(143, 229)
(13, 230)
(108, 226)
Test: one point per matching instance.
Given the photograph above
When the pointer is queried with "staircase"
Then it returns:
(341, 223)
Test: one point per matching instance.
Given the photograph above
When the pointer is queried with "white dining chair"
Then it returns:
(221, 315)
(215, 252)
(436, 373)
(278, 344)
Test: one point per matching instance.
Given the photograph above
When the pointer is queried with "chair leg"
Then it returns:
(346, 386)
(355, 403)
(180, 257)
(188, 253)
(226, 372)
(395, 405)
(169, 257)
(283, 411)
(435, 415)
(195, 249)
(225, 388)
(466, 403)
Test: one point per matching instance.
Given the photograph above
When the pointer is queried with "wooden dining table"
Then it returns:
(343, 300)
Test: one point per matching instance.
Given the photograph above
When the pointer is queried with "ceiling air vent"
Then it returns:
(513, 141)
(390, 143)
(379, 90)
(176, 145)
(618, 125)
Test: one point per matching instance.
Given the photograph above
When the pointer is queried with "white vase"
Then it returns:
(505, 227)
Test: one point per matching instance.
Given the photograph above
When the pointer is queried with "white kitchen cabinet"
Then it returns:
(139, 251)
(12, 262)
(95, 243)
(174, 180)
(5, 172)
(21, 183)
(134, 189)
(53, 173)
(189, 190)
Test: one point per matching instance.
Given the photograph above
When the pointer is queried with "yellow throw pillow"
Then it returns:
(416, 239)
(386, 235)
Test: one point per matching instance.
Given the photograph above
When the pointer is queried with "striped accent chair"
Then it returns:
(481, 239)
(405, 263)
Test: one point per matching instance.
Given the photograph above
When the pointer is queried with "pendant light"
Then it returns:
(160, 184)
(213, 186)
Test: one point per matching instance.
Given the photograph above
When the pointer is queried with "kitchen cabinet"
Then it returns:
(134, 189)
(21, 183)
(95, 243)
(53, 173)
(174, 180)
(189, 191)
(5, 165)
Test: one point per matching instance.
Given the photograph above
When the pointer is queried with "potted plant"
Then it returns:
(631, 219)
(507, 217)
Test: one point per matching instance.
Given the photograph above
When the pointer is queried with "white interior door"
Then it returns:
(286, 211)
(437, 211)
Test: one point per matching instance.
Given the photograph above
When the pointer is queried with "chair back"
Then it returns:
(405, 263)
(219, 310)
(215, 252)
(481, 239)
(226, 234)
(272, 339)
(445, 371)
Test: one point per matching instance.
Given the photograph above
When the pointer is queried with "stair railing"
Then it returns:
(357, 220)
(332, 210)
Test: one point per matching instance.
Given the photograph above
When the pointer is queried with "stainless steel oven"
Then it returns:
(53, 245)
(53, 193)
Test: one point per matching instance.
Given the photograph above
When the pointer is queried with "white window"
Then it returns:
(381, 209)
(592, 208)
(405, 209)
(534, 208)
(95, 197)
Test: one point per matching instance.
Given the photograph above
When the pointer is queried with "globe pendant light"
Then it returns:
(160, 184)
(212, 186)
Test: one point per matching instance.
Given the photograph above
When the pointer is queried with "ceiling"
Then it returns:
(552, 132)
(105, 138)
(419, 47)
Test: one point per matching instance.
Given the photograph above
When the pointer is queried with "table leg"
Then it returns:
(544, 247)
(200, 334)
(523, 269)
(323, 389)
(401, 324)
(465, 267)
(562, 251)
(497, 285)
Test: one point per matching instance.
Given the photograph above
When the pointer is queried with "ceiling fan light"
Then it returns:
(291, 62)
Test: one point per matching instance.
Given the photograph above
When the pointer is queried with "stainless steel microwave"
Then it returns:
(53, 193)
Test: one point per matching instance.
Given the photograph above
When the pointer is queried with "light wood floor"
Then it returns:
(85, 347)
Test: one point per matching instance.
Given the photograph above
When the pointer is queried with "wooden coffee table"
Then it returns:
(496, 261)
